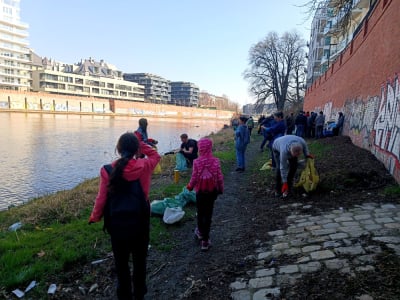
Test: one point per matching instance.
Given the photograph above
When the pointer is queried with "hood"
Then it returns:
(205, 146)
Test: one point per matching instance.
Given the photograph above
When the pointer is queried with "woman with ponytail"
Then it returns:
(127, 238)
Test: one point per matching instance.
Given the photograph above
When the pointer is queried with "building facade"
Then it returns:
(329, 37)
(156, 88)
(184, 93)
(86, 78)
(14, 52)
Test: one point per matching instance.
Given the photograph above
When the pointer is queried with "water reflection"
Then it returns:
(44, 153)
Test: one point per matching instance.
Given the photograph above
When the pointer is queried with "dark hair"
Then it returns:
(279, 114)
(127, 147)
(184, 136)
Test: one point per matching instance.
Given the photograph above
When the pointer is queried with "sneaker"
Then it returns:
(197, 234)
(205, 245)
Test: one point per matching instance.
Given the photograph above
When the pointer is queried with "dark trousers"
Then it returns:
(205, 207)
(291, 174)
(123, 248)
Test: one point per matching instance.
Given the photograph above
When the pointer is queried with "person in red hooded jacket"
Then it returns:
(207, 190)
(127, 239)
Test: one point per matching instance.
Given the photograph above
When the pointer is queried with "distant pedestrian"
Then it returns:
(275, 131)
(127, 178)
(301, 124)
(289, 124)
(339, 125)
(250, 124)
(287, 149)
(242, 139)
(319, 125)
(208, 182)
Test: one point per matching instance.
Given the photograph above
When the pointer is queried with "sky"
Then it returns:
(205, 42)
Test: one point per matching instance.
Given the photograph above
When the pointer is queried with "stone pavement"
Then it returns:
(335, 240)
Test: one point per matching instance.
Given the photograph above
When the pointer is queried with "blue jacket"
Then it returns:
(277, 129)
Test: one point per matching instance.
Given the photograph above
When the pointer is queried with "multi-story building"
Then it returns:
(316, 44)
(156, 88)
(184, 93)
(328, 35)
(14, 52)
(87, 78)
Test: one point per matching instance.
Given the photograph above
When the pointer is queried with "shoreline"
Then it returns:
(111, 114)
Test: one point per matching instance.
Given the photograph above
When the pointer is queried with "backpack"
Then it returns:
(207, 182)
(127, 212)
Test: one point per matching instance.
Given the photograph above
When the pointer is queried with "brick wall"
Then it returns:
(363, 83)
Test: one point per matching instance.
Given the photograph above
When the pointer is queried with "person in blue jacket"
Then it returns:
(242, 138)
(277, 129)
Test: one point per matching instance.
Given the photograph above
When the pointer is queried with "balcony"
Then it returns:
(361, 3)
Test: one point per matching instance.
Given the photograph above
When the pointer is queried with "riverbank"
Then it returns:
(244, 217)
(57, 103)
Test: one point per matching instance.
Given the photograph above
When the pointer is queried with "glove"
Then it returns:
(285, 189)
(90, 222)
(310, 156)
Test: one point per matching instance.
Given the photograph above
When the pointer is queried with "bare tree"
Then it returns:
(275, 68)
(342, 7)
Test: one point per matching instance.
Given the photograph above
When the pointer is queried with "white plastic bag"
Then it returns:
(173, 215)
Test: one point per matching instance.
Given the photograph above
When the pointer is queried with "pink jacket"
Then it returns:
(206, 159)
(140, 168)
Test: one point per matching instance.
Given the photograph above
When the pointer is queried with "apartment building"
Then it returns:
(184, 93)
(156, 88)
(328, 39)
(86, 78)
(14, 54)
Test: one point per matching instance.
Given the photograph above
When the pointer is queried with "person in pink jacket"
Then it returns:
(127, 237)
(208, 182)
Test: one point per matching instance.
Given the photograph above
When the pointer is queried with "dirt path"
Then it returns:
(188, 272)
(243, 216)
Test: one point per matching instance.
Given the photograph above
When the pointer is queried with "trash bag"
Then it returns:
(267, 165)
(173, 215)
(309, 178)
(180, 162)
(158, 207)
(157, 169)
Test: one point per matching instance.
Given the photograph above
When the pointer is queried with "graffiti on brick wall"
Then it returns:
(375, 123)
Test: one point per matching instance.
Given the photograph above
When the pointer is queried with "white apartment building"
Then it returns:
(87, 78)
(14, 52)
(327, 38)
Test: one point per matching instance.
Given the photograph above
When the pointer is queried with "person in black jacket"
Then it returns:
(188, 149)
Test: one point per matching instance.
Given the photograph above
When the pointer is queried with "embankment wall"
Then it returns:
(363, 83)
(54, 103)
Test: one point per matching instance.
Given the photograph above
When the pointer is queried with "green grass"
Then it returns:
(392, 190)
(56, 237)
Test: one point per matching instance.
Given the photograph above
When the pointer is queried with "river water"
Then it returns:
(44, 153)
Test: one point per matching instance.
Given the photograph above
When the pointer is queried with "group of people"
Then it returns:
(127, 180)
(311, 125)
(123, 201)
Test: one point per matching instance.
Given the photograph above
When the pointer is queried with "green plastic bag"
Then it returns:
(180, 162)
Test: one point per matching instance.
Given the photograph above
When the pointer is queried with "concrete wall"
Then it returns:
(31, 101)
(363, 83)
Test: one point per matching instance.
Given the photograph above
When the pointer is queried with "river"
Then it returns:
(44, 153)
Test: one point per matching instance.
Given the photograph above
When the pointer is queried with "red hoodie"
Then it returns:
(206, 159)
(140, 168)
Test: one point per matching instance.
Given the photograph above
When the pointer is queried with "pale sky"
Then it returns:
(201, 41)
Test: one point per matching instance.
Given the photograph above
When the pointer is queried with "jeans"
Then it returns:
(240, 157)
(300, 130)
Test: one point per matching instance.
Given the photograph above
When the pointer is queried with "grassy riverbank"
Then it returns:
(55, 235)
